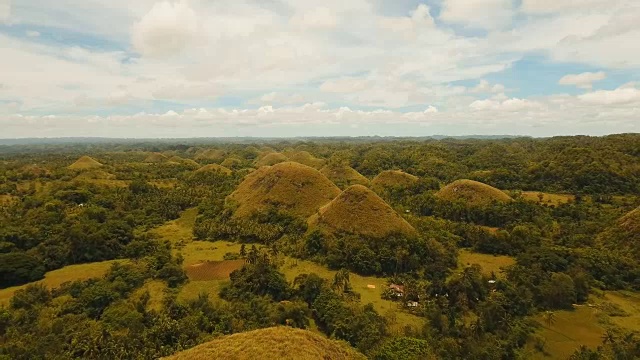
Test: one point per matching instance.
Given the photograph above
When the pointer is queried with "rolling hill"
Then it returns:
(473, 193)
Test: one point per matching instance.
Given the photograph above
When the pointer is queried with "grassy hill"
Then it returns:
(305, 158)
(391, 179)
(155, 158)
(293, 187)
(474, 193)
(271, 344)
(232, 162)
(271, 159)
(85, 163)
(359, 210)
(214, 168)
(344, 175)
(215, 155)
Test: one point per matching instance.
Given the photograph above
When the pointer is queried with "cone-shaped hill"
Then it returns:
(155, 158)
(305, 158)
(85, 163)
(271, 344)
(214, 168)
(292, 187)
(232, 162)
(393, 179)
(474, 193)
(624, 234)
(271, 159)
(180, 160)
(344, 175)
(215, 155)
(359, 211)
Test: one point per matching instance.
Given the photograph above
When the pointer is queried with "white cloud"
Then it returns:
(584, 80)
(484, 14)
(316, 18)
(620, 96)
(166, 30)
(280, 98)
(508, 105)
(555, 6)
(431, 110)
(485, 87)
(5, 10)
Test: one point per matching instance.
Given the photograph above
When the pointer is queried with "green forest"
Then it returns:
(514, 248)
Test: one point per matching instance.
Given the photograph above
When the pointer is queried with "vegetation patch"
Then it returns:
(473, 193)
(624, 234)
(155, 158)
(85, 163)
(214, 168)
(213, 270)
(271, 344)
(358, 210)
(547, 198)
(491, 264)
(292, 187)
(214, 155)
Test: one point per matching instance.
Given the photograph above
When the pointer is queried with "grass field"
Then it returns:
(629, 302)
(570, 330)
(180, 229)
(213, 270)
(547, 198)
(156, 290)
(58, 277)
(489, 263)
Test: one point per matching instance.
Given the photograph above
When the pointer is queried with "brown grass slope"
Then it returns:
(85, 163)
(474, 193)
(271, 344)
(298, 189)
(624, 234)
(214, 168)
(155, 158)
(305, 158)
(344, 175)
(232, 162)
(391, 179)
(359, 211)
(271, 159)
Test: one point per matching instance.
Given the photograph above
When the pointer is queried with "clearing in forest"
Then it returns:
(489, 263)
(275, 343)
(472, 192)
(213, 270)
(55, 278)
(358, 210)
(547, 198)
(297, 189)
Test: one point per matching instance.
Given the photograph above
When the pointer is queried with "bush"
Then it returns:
(19, 268)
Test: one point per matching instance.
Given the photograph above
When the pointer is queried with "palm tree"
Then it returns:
(609, 337)
(549, 318)
(341, 280)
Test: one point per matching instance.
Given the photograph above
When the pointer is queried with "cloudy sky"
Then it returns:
(185, 68)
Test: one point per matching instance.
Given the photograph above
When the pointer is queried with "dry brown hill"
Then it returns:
(392, 179)
(85, 163)
(214, 168)
(474, 193)
(359, 211)
(275, 343)
(155, 158)
(344, 175)
(292, 187)
(271, 159)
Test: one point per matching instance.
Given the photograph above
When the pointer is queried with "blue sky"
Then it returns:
(166, 68)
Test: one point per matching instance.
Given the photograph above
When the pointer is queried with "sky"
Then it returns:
(281, 68)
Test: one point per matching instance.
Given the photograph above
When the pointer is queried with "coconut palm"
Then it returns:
(549, 318)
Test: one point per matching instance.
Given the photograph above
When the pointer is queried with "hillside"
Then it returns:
(305, 158)
(215, 155)
(358, 210)
(155, 158)
(271, 344)
(232, 162)
(473, 193)
(392, 179)
(271, 159)
(85, 163)
(344, 176)
(292, 187)
(214, 168)
(624, 234)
